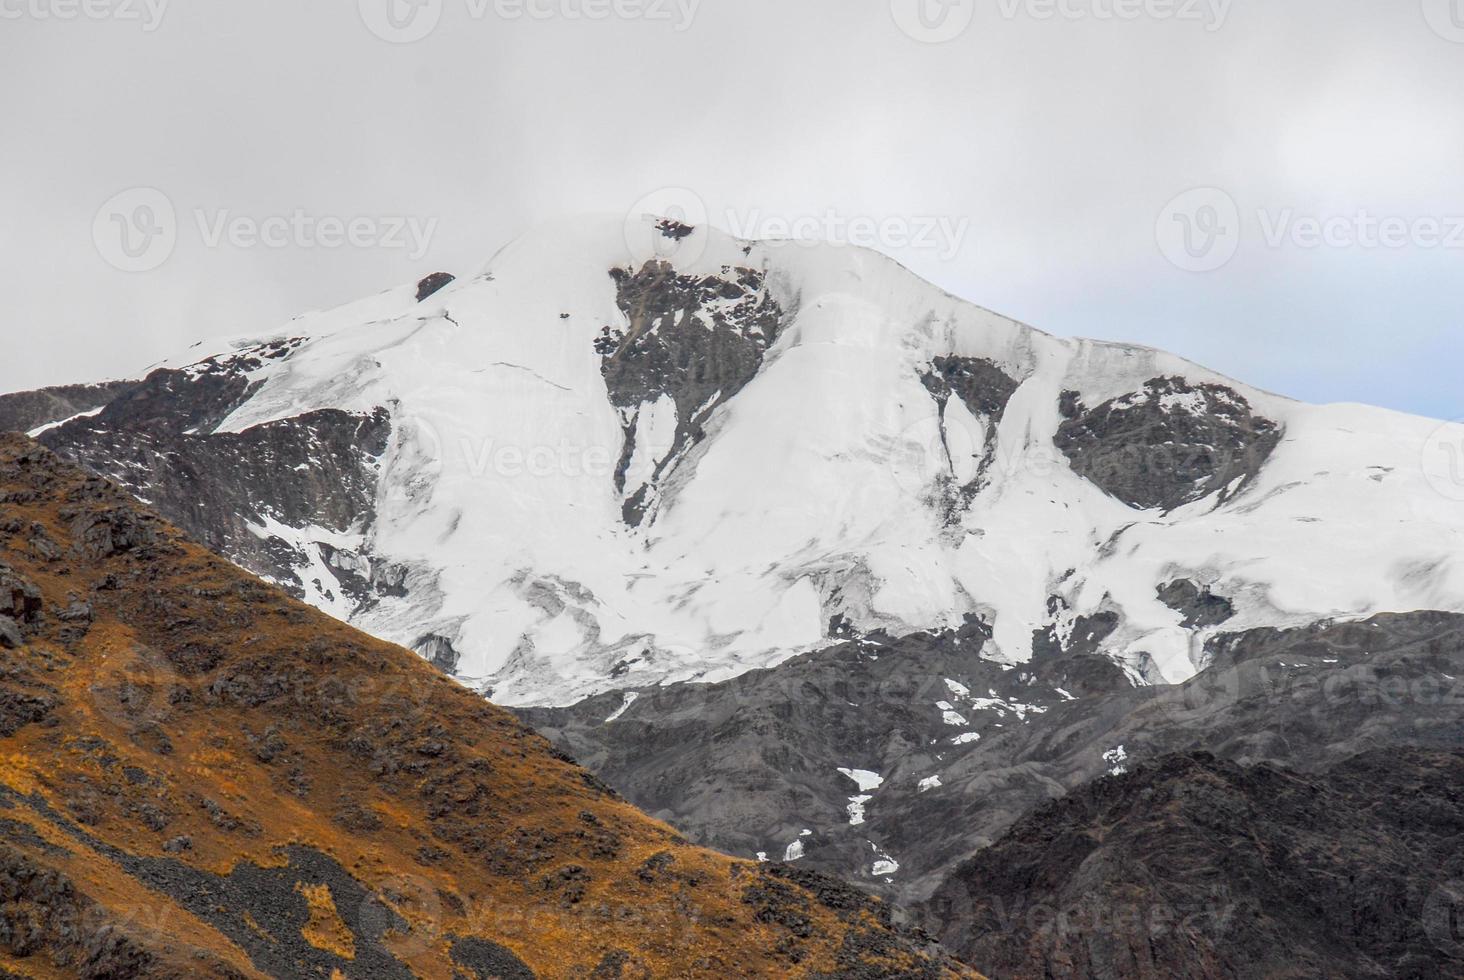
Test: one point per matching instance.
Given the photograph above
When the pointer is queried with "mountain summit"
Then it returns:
(615, 459)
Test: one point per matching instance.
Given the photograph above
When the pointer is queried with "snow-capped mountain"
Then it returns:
(622, 456)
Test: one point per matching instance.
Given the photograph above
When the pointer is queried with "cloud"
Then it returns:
(1057, 139)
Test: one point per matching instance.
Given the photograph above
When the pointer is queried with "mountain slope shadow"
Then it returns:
(1198, 867)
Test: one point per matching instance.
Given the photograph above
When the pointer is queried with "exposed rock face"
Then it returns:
(201, 777)
(1085, 637)
(750, 764)
(434, 284)
(982, 386)
(1199, 867)
(1199, 606)
(199, 397)
(246, 494)
(490, 961)
(691, 344)
(43, 916)
(233, 490)
(1170, 444)
(20, 600)
(25, 411)
(984, 389)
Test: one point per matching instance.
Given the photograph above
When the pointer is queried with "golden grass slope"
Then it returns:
(200, 776)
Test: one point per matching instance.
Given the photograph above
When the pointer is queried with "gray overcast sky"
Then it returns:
(1054, 143)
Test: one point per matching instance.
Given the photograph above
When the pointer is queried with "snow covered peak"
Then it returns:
(630, 453)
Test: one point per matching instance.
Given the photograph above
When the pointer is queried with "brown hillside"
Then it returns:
(202, 777)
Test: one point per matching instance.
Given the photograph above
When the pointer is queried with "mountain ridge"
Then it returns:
(594, 435)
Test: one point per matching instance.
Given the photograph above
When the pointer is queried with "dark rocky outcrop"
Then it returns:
(1196, 603)
(1085, 638)
(28, 702)
(1194, 866)
(985, 389)
(20, 600)
(196, 398)
(698, 340)
(433, 284)
(489, 961)
(159, 439)
(314, 470)
(980, 384)
(264, 910)
(25, 411)
(1170, 444)
(43, 916)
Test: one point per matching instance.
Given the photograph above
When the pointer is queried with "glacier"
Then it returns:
(623, 455)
